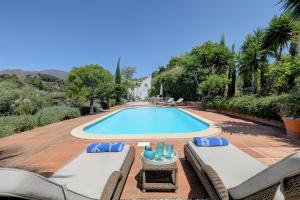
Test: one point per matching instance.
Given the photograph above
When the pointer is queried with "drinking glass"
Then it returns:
(161, 144)
(169, 149)
(160, 150)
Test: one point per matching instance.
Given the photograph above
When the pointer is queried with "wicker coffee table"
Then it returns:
(162, 177)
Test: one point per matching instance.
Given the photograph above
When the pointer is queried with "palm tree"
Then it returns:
(252, 58)
(282, 30)
(291, 6)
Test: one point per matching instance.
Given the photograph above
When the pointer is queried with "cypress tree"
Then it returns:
(118, 82)
(118, 73)
(232, 76)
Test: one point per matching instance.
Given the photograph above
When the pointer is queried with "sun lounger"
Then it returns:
(179, 101)
(171, 100)
(87, 177)
(228, 173)
(165, 103)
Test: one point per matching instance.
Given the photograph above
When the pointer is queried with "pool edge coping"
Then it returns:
(79, 132)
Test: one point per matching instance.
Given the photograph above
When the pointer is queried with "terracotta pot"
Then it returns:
(292, 126)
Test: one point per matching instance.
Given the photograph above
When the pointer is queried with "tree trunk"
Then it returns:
(263, 80)
(92, 102)
(268, 86)
(196, 79)
(254, 83)
(107, 101)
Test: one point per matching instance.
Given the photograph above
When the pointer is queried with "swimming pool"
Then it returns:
(150, 120)
(146, 122)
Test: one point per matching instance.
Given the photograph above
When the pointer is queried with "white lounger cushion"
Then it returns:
(233, 166)
(84, 178)
(89, 172)
(285, 168)
(28, 185)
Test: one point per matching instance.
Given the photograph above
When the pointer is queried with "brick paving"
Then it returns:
(45, 149)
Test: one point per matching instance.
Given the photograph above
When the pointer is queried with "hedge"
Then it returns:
(265, 107)
(56, 113)
(15, 124)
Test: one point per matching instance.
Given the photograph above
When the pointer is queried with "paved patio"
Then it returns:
(46, 149)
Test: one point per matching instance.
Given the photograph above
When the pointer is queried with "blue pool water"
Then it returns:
(150, 120)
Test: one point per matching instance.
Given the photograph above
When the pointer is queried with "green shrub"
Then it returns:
(103, 104)
(265, 107)
(112, 102)
(56, 113)
(214, 85)
(85, 110)
(15, 124)
(290, 107)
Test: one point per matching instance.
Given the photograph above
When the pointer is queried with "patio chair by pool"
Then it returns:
(228, 173)
(179, 101)
(171, 100)
(87, 177)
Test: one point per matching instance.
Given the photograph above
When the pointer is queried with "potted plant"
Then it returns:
(290, 114)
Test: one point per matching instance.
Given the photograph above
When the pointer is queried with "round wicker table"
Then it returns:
(159, 175)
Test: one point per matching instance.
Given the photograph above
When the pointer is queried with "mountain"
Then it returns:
(22, 73)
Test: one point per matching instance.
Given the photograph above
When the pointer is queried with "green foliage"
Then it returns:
(282, 30)
(214, 85)
(286, 71)
(265, 107)
(232, 74)
(291, 107)
(128, 72)
(15, 124)
(45, 82)
(252, 59)
(56, 113)
(176, 84)
(222, 41)
(11, 79)
(7, 98)
(25, 100)
(291, 6)
(213, 56)
(118, 81)
(106, 90)
(30, 100)
(108, 104)
(83, 83)
(118, 73)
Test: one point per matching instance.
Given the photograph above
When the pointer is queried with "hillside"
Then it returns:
(23, 73)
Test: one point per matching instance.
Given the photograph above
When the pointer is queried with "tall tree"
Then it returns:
(252, 57)
(118, 82)
(232, 75)
(84, 81)
(213, 56)
(118, 73)
(291, 6)
(282, 31)
(128, 72)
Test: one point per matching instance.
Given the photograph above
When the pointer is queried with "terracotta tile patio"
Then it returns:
(46, 149)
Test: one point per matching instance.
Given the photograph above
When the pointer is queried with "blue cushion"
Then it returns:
(210, 142)
(105, 147)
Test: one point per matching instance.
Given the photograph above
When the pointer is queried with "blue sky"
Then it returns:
(61, 34)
